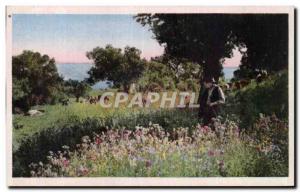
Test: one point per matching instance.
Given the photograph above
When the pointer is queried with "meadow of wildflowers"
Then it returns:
(196, 151)
(122, 142)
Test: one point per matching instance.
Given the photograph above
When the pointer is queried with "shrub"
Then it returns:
(268, 97)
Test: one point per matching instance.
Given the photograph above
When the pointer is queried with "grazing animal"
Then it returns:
(99, 97)
(87, 99)
(64, 102)
(93, 100)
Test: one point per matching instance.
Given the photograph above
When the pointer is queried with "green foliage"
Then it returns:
(120, 68)
(243, 72)
(165, 73)
(35, 79)
(208, 38)
(265, 152)
(156, 76)
(183, 69)
(268, 97)
(20, 92)
(188, 85)
(269, 49)
(271, 134)
(58, 95)
(200, 38)
(77, 89)
(241, 160)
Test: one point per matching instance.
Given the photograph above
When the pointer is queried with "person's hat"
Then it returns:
(209, 80)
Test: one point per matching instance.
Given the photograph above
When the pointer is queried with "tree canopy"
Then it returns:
(207, 38)
(265, 38)
(35, 79)
(200, 38)
(183, 69)
(111, 64)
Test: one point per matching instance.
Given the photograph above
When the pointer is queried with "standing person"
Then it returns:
(210, 101)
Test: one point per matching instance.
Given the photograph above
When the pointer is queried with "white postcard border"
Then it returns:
(148, 181)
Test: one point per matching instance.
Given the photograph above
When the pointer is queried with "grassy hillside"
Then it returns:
(34, 137)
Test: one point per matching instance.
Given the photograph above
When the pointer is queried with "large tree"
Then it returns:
(201, 38)
(35, 79)
(111, 64)
(265, 39)
(208, 38)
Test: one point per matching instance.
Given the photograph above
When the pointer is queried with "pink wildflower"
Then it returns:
(66, 162)
(98, 141)
(205, 129)
(210, 153)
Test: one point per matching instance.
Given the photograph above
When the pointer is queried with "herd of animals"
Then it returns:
(235, 85)
(96, 99)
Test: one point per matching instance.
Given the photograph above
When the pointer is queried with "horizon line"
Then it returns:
(59, 63)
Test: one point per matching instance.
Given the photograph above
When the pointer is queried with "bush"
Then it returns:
(268, 97)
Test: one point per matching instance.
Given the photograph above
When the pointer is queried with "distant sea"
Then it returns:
(78, 71)
(228, 72)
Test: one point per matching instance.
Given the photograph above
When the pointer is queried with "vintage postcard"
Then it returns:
(150, 96)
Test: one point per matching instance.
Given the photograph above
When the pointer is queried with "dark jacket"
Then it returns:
(215, 95)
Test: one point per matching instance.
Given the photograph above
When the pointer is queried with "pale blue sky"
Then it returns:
(67, 37)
